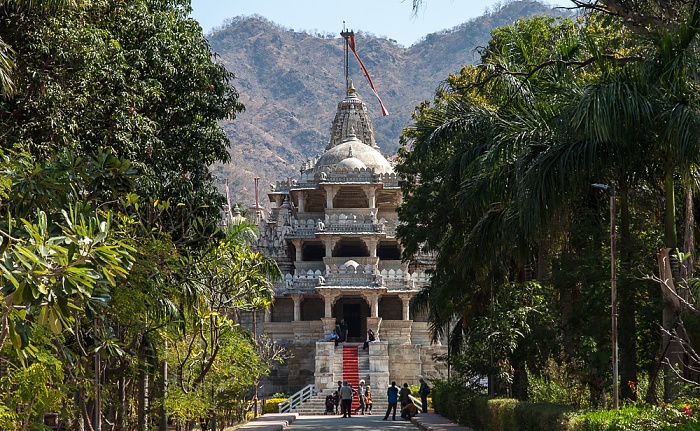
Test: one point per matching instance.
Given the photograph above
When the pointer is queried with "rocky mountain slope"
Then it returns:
(291, 82)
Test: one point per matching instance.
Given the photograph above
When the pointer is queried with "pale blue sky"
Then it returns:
(390, 18)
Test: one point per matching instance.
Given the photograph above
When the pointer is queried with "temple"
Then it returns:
(332, 232)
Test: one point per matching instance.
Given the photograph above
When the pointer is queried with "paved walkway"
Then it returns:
(280, 422)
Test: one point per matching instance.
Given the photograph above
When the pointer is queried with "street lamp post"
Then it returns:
(613, 290)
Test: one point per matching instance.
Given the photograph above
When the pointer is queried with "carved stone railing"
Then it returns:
(303, 267)
(361, 261)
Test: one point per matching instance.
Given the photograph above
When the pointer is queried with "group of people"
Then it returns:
(408, 409)
(344, 395)
(340, 335)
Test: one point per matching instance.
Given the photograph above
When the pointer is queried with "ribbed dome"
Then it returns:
(351, 149)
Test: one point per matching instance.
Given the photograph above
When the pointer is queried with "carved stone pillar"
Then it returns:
(300, 207)
(330, 194)
(405, 301)
(297, 298)
(373, 300)
(372, 245)
(372, 197)
(328, 242)
(329, 297)
(328, 306)
(298, 248)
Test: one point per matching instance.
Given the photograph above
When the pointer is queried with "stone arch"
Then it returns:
(350, 197)
(313, 251)
(389, 250)
(350, 247)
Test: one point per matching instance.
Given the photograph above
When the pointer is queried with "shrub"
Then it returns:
(557, 384)
(272, 405)
(640, 417)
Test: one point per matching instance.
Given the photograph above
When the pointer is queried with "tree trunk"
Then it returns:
(144, 398)
(671, 242)
(121, 407)
(688, 268)
(163, 392)
(627, 306)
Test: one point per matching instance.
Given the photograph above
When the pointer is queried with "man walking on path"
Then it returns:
(423, 391)
(346, 399)
(392, 395)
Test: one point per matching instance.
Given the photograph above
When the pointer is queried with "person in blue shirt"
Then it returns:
(392, 395)
(334, 337)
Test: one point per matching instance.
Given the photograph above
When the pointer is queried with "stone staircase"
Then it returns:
(316, 405)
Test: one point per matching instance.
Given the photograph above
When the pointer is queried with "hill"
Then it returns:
(291, 82)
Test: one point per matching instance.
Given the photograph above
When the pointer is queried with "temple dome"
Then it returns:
(351, 163)
(368, 156)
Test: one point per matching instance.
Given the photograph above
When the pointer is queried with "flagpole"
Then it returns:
(346, 35)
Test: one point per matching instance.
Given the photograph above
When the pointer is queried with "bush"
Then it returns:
(558, 384)
(272, 405)
(476, 410)
(640, 417)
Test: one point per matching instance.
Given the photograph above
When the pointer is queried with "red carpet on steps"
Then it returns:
(351, 373)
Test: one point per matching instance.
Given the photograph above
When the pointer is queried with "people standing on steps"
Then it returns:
(342, 328)
(346, 399)
(423, 391)
(361, 395)
(392, 396)
(405, 395)
(368, 400)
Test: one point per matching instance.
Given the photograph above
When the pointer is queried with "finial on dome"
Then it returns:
(351, 89)
(350, 155)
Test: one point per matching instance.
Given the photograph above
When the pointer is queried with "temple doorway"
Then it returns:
(355, 312)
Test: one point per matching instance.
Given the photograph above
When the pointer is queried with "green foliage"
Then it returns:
(639, 418)
(272, 405)
(31, 396)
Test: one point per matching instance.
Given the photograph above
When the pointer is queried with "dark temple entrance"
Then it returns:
(351, 313)
(355, 312)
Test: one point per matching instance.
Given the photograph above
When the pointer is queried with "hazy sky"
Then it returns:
(391, 18)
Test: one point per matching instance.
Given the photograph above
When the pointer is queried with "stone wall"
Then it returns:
(395, 331)
(390, 307)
